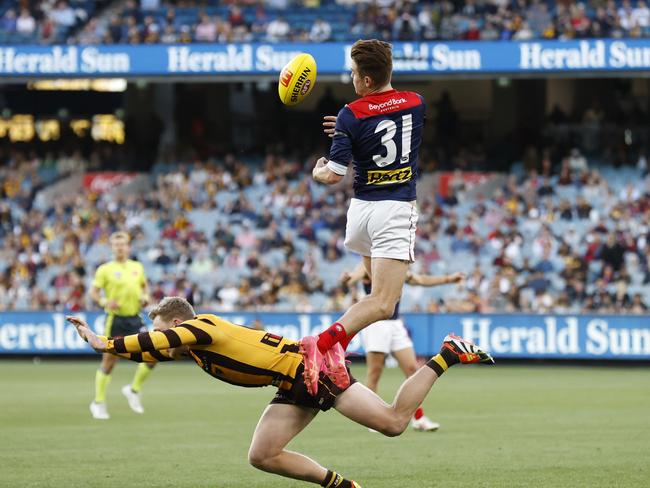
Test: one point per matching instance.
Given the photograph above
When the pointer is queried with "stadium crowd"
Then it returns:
(43, 21)
(235, 236)
(156, 21)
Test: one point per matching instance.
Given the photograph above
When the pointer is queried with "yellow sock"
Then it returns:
(141, 373)
(101, 384)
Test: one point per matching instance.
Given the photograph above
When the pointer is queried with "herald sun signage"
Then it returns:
(560, 336)
(506, 336)
(441, 58)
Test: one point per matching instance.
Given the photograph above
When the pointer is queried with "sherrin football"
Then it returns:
(297, 79)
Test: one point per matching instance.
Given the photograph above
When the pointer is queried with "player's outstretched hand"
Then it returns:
(86, 334)
(329, 125)
(456, 277)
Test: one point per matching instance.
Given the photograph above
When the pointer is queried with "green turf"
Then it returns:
(505, 426)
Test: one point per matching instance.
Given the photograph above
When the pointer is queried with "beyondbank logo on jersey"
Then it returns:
(382, 107)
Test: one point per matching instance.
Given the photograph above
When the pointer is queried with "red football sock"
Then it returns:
(326, 339)
(419, 413)
(346, 342)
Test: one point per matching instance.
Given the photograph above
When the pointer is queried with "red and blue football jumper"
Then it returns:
(381, 135)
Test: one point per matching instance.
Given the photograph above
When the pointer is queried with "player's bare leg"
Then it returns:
(375, 365)
(278, 425)
(407, 362)
(362, 405)
(388, 277)
(365, 407)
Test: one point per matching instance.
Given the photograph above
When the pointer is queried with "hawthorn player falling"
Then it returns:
(248, 357)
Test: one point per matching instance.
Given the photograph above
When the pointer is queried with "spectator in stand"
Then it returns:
(405, 27)
(25, 24)
(8, 22)
(524, 33)
(641, 15)
(626, 15)
(115, 30)
(169, 35)
(278, 30)
(577, 162)
(62, 15)
(472, 33)
(205, 30)
(91, 34)
(321, 31)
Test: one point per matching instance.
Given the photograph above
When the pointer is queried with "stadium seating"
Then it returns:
(51, 22)
(274, 241)
(345, 21)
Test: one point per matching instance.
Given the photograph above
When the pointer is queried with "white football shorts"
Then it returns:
(386, 336)
(382, 229)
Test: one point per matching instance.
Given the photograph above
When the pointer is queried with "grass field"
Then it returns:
(507, 426)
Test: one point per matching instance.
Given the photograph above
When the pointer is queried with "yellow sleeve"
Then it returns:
(143, 276)
(142, 357)
(147, 357)
(100, 277)
(185, 334)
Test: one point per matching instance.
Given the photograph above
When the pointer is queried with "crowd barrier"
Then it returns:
(601, 337)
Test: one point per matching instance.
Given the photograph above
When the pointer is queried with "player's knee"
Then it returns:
(259, 459)
(393, 425)
(393, 428)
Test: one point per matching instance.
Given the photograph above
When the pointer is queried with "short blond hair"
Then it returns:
(120, 234)
(170, 308)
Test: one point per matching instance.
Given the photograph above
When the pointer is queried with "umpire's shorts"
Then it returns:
(120, 325)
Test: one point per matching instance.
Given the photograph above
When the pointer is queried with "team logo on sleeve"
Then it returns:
(389, 177)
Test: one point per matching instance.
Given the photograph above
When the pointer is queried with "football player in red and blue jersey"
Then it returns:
(379, 135)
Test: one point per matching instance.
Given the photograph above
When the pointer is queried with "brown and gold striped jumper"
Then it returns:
(229, 352)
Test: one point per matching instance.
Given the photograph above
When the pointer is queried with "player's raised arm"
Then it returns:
(430, 280)
(339, 128)
(100, 344)
(185, 334)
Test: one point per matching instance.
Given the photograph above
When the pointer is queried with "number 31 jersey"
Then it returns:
(381, 135)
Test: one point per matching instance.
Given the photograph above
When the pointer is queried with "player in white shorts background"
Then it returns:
(391, 337)
(379, 135)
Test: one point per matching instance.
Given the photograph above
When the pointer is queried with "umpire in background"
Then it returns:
(125, 292)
